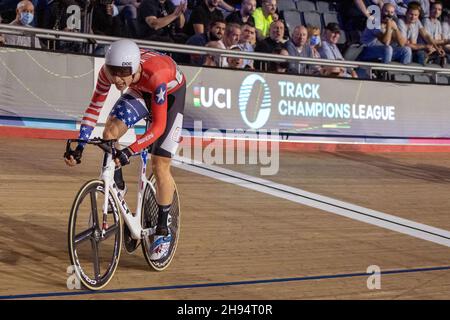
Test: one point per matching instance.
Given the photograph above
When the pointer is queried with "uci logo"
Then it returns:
(126, 64)
(244, 96)
(208, 97)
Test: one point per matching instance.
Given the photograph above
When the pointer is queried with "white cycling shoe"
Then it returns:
(160, 246)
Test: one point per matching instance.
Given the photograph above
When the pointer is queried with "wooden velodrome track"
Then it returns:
(238, 243)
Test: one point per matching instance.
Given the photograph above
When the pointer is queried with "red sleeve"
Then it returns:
(98, 99)
(159, 117)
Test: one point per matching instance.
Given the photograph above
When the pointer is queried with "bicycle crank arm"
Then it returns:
(148, 232)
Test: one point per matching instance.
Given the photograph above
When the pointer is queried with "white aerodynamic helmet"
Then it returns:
(123, 53)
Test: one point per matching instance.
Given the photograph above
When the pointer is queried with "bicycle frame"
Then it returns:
(133, 222)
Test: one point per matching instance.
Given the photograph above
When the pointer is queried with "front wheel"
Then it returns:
(150, 219)
(94, 254)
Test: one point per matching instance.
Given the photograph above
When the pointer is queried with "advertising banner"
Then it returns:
(312, 105)
(43, 85)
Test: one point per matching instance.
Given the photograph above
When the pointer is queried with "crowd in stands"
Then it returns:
(405, 31)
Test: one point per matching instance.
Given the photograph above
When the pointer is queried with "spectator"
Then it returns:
(446, 33)
(160, 20)
(275, 38)
(231, 38)
(280, 67)
(248, 34)
(234, 62)
(264, 17)
(232, 35)
(40, 13)
(215, 33)
(400, 7)
(244, 15)
(213, 60)
(424, 5)
(128, 9)
(387, 43)
(357, 13)
(24, 17)
(435, 29)
(298, 46)
(329, 49)
(314, 40)
(202, 15)
(247, 42)
(412, 28)
(105, 21)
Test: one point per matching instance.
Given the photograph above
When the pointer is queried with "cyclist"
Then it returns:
(156, 89)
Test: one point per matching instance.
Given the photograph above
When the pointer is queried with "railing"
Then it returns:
(92, 39)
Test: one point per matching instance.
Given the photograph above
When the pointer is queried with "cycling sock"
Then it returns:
(163, 213)
(118, 178)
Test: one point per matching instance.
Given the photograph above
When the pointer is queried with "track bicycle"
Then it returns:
(96, 228)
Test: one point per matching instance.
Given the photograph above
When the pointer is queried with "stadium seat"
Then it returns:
(421, 78)
(353, 51)
(343, 37)
(401, 77)
(354, 36)
(292, 19)
(312, 19)
(303, 5)
(324, 6)
(329, 17)
(286, 5)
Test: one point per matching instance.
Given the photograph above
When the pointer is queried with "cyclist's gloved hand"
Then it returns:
(124, 156)
(76, 154)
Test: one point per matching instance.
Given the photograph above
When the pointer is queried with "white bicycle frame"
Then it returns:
(133, 222)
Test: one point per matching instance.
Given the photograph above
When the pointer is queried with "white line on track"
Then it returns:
(377, 218)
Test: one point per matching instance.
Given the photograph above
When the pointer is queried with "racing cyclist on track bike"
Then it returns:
(156, 90)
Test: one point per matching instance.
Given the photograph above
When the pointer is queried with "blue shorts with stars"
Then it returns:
(130, 108)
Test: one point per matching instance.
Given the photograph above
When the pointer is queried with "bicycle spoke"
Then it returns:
(110, 231)
(96, 259)
(94, 209)
(83, 236)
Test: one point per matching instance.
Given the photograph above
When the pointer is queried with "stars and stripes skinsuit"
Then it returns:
(159, 93)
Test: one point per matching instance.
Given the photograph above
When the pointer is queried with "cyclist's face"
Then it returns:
(120, 77)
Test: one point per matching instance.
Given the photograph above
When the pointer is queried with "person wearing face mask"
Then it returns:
(314, 40)
(24, 17)
(299, 46)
